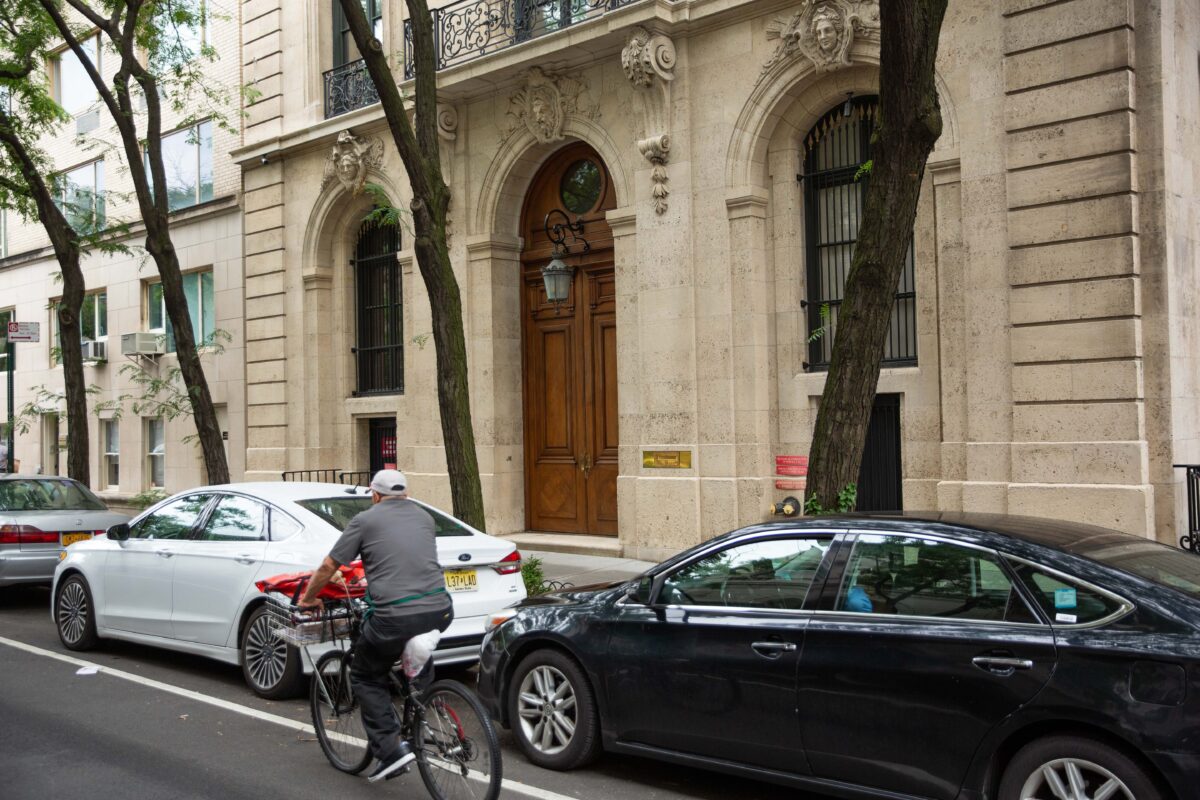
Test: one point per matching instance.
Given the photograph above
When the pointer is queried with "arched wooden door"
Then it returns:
(570, 353)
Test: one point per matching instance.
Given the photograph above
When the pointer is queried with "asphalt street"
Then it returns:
(163, 725)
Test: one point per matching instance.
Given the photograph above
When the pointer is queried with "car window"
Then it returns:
(765, 573)
(338, 511)
(1169, 566)
(283, 526)
(47, 494)
(913, 577)
(175, 520)
(236, 519)
(1066, 602)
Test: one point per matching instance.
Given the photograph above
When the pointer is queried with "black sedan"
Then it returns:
(956, 657)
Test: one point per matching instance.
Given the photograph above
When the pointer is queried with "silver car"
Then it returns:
(39, 517)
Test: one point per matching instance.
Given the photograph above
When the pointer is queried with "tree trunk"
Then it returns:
(908, 125)
(420, 153)
(65, 242)
(204, 413)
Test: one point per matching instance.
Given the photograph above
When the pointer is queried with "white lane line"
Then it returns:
(237, 708)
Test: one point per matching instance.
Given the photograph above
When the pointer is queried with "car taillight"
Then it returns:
(26, 534)
(510, 564)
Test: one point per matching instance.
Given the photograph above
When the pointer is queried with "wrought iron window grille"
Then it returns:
(347, 88)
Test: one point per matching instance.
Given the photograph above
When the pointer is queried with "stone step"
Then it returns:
(574, 543)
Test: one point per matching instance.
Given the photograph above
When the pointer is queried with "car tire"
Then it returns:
(1028, 775)
(75, 614)
(272, 668)
(537, 717)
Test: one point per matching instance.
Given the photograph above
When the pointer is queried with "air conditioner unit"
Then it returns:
(95, 351)
(142, 344)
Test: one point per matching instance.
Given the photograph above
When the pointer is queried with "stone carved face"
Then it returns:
(827, 35)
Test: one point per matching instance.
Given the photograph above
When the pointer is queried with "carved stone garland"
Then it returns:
(350, 158)
(823, 31)
(649, 63)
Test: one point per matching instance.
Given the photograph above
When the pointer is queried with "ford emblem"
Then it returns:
(465, 557)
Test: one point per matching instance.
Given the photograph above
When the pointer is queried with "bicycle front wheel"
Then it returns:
(458, 752)
(336, 716)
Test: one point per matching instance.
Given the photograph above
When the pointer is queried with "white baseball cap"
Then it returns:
(389, 482)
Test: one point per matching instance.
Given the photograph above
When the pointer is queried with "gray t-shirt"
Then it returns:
(397, 541)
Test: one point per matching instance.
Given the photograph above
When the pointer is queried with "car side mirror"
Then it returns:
(119, 532)
(640, 592)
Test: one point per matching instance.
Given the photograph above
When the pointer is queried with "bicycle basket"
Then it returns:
(302, 629)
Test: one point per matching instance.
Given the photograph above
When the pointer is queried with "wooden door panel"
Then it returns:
(569, 352)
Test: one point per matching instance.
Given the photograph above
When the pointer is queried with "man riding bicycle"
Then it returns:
(406, 596)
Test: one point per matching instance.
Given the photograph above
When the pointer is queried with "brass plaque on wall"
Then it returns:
(667, 459)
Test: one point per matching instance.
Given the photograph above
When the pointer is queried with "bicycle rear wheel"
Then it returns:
(458, 752)
(335, 714)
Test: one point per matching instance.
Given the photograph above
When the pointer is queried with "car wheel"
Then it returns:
(75, 614)
(271, 667)
(553, 712)
(1074, 768)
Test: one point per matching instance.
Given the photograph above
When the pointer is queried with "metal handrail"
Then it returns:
(470, 29)
(311, 475)
(1192, 540)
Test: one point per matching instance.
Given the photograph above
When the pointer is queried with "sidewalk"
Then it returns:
(580, 570)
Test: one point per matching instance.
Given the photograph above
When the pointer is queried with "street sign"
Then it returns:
(24, 332)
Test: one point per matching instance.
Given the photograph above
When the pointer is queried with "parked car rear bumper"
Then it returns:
(36, 566)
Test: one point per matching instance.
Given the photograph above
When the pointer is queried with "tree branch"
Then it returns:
(89, 13)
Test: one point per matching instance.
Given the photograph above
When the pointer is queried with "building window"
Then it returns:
(380, 348)
(73, 88)
(198, 287)
(193, 38)
(156, 453)
(110, 440)
(93, 320)
(344, 48)
(81, 196)
(835, 150)
(188, 162)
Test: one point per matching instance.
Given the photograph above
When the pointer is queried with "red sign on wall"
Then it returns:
(791, 465)
(388, 446)
(791, 486)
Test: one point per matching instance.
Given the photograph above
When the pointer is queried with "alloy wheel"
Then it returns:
(1074, 779)
(265, 654)
(72, 612)
(546, 705)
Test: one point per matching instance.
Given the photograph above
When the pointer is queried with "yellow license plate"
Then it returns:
(461, 580)
(69, 539)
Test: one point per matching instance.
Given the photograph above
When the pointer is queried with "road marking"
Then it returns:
(237, 708)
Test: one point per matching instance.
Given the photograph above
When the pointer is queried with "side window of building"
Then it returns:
(765, 573)
(834, 188)
(1065, 602)
(908, 576)
(73, 89)
(236, 519)
(198, 289)
(80, 194)
(380, 305)
(345, 51)
(156, 452)
(93, 326)
(175, 520)
(110, 448)
(188, 161)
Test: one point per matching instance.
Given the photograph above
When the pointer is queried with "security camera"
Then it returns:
(264, 160)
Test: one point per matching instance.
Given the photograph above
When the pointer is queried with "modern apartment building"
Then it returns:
(132, 452)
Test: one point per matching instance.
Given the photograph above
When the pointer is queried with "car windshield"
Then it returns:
(47, 494)
(1172, 568)
(338, 511)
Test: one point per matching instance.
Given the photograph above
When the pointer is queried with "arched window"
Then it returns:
(835, 150)
(378, 287)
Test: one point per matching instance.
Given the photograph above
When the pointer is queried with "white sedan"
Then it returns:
(181, 576)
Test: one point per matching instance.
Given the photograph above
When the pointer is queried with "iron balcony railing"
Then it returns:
(1191, 541)
(348, 87)
(470, 29)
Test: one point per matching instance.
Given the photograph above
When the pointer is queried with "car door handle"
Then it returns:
(1001, 665)
(165, 553)
(245, 558)
(773, 649)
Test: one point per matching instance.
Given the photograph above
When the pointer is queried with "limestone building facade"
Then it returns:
(1043, 354)
(132, 452)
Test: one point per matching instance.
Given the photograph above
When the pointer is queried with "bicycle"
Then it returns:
(456, 746)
